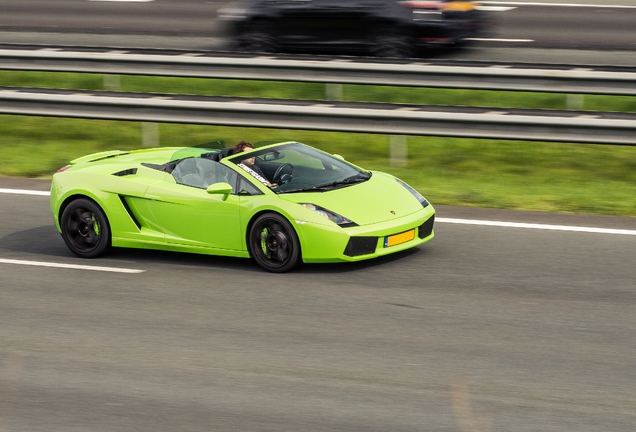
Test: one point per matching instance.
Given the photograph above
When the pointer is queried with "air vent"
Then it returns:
(124, 201)
(426, 229)
(131, 171)
(361, 246)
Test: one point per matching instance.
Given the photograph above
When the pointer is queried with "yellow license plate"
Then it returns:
(457, 6)
(397, 239)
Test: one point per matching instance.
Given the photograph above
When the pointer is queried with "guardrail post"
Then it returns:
(574, 101)
(333, 92)
(112, 82)
(149, 134)
(398, 150)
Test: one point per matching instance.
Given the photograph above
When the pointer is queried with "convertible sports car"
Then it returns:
(280, 204)
(388, 28)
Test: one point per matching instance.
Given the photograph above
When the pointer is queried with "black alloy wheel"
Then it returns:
(85, 228)
(273, 243)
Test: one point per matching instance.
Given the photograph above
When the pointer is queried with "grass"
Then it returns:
(567, 178)
(314, 91)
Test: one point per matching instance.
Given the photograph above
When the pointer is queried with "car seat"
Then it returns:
(226, 152)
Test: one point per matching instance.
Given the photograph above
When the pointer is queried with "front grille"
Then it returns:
(361, 246)
(426, 229)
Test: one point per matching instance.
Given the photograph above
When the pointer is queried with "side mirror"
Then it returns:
(221, 188)
(337, 156)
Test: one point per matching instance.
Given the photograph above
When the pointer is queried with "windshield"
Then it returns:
(295, 167)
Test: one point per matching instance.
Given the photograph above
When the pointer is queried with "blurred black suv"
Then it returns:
(386, 28)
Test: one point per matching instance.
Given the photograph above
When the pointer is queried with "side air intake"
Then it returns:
(127, 172)
(361, 246)
(426, 229)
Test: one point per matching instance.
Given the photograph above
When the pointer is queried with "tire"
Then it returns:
(85, 228)
(274, 244)
(389, 43)
(258, 38)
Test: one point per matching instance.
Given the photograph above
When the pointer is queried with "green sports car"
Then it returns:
(281, 204)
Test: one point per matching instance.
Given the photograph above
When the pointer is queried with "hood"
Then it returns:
(379, 199)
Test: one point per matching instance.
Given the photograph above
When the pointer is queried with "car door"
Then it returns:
(294, 21)
(339, 22)
(190, 216)
(317, 21)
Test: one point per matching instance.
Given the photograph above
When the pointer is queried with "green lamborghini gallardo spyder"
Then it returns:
(281, 204)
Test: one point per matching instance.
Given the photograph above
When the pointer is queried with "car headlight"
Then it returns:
(415, 193)
(332, 216)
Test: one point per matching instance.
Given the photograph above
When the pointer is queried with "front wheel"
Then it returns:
(273, 243)
(85, 228)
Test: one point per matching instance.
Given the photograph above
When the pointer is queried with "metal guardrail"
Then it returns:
(555, 126)
(576, 80)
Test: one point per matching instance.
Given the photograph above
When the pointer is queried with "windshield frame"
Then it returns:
(331, 173)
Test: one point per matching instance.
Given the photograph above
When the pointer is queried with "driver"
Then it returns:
(242, 146)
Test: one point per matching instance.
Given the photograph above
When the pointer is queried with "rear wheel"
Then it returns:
(273, 243)
(258, 38)
(85, 228)
(391, 43)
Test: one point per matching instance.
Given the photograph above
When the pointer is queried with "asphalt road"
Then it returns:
(523, 32)
(482, 329)
(485, 328)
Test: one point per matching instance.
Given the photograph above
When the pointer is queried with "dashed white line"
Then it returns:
(537, 226)
(70, 266)
(559, 4)
(24, 192)
(129, 1)
(496, 8)
(500, 40)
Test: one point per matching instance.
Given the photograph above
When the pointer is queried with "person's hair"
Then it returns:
(240, 146)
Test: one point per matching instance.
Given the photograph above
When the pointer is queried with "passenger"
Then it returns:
(242, 146)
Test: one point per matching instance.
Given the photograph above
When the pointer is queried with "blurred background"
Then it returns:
(542, 35)
(484, 329)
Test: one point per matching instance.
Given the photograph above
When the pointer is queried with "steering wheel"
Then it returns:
(284, 172)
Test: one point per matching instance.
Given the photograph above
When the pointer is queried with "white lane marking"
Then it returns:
(123, 0)
(537, 226)
(25, 192)
(449, 220)
(496, 8)
(500, 40)
(70, 266)
(559, 4)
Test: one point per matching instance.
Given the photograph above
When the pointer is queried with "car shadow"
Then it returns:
(348, 267)
(249, 265)
(44, 240)
(183, 258)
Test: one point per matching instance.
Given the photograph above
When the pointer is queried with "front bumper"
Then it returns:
(323, 243)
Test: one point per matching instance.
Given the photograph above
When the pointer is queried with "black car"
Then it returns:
(385, 28)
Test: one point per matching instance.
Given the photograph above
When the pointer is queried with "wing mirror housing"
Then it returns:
(221, 188)
(275, 155)
(337, 156)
